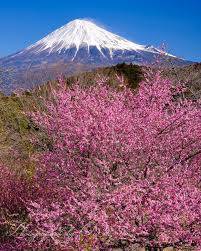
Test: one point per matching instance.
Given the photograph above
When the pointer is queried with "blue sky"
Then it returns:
(177, 23)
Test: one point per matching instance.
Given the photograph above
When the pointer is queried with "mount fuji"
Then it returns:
(81, 45)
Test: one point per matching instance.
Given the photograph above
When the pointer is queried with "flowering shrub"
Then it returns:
(122, 168)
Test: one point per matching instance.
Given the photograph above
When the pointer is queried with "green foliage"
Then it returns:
(132, 73)
(15, 132)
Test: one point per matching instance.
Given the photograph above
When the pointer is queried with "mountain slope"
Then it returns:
(80, 44)
(83, 33)
(84, 41)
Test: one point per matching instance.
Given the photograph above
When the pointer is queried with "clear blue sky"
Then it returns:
(177, 23)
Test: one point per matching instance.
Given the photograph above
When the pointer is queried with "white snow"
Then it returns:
(83, 33)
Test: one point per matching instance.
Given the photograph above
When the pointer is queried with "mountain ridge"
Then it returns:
(83, 33)
(81, 42)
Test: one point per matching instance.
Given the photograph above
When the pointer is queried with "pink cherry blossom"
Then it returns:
(123, 167)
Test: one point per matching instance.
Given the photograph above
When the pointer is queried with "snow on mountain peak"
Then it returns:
(83, 33)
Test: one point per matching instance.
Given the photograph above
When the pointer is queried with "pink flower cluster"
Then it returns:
(124, 167)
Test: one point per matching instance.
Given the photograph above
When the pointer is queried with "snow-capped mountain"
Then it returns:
(80, 34)
(83, 44)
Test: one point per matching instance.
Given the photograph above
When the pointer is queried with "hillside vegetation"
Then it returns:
(103, 160)
(16, 129)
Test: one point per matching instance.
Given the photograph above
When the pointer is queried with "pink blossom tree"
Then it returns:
(123, 167)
